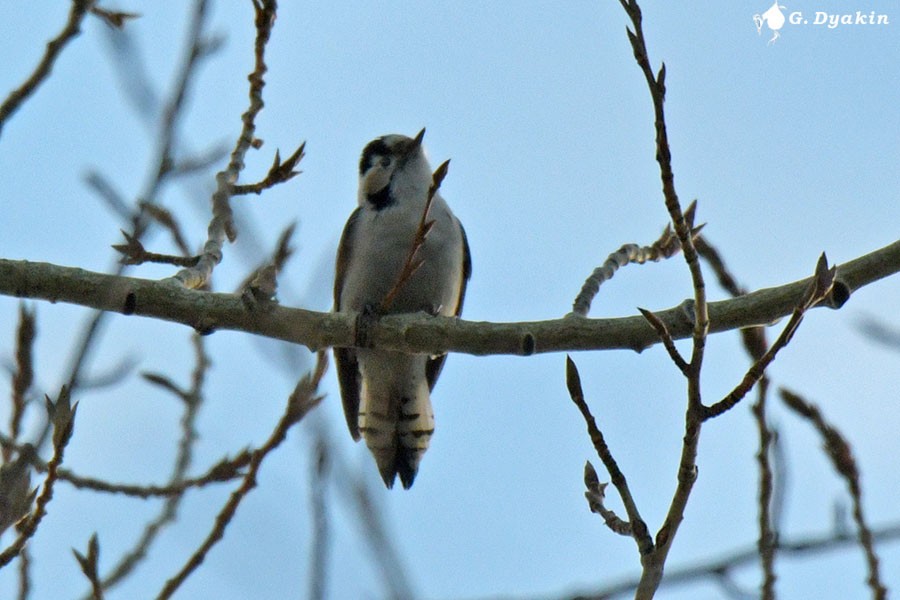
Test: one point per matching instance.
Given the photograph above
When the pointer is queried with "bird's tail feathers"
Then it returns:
(397, 429)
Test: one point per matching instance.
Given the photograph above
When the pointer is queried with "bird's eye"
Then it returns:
(385, 161)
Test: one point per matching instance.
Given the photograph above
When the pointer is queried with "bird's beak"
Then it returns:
(418, 139)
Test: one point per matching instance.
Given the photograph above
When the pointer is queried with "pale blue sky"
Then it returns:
(791, 149)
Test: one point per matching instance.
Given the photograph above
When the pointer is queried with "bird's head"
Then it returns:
(392, 169)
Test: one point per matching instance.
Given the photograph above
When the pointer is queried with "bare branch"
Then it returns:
(54, 47)
(110, 196)
(768, 536)
(595, 494)
(412, 264)
(756, 345)
(222, 227)
(197, 49)
(259, 288)
(226, 469)
(207, 312)
(729, 561)
(161, 161)
(666, 339)
(222, 471)
(23, 376)
(636, 527)
(133, 253)
(165, 218)
(90, 566)
(817, 290)
(303, 399)
(320, 542)
(113, 18)
(687, 468)
(62, 415)
(198, 162)
(280, 172)
(841, 456)
(665, 247)
(880, 332)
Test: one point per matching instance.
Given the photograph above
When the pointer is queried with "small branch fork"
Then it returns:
(822, 287)
(133, 253)
(635, 526)
(304, 398)
(222, 226)
(413, 263)
(280, 172)
(62, 415)
(654, 552)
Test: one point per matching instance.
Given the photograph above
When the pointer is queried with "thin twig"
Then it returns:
(321, 539)
(258, 289)
(222, 226)
(304, 398)
(595, 495)
(197, 163)
(412, 264)
(768, 538)
(23, 376)
(90, 566)
(376, 537)
(24, 574)
(165, 218)
(72, 28)
(110, 196)
(819, 288)
(62, 415)
(687, 469)
(133, 253)
(735, 560)
(280, 172)
(844, 463)
(637, 528)
(352, 487)
(880, 332)
(756, 345)
(666, 338)
(198, 48)
(113, 18)
(665, 247)
(224, 470)
(140, 219)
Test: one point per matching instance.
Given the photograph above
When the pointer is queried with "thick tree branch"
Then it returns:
(207, 312)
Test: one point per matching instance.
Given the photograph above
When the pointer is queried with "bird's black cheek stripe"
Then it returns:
(373, 149)
(381, 199)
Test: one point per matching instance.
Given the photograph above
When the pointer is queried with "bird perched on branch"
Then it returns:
(402, 251)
